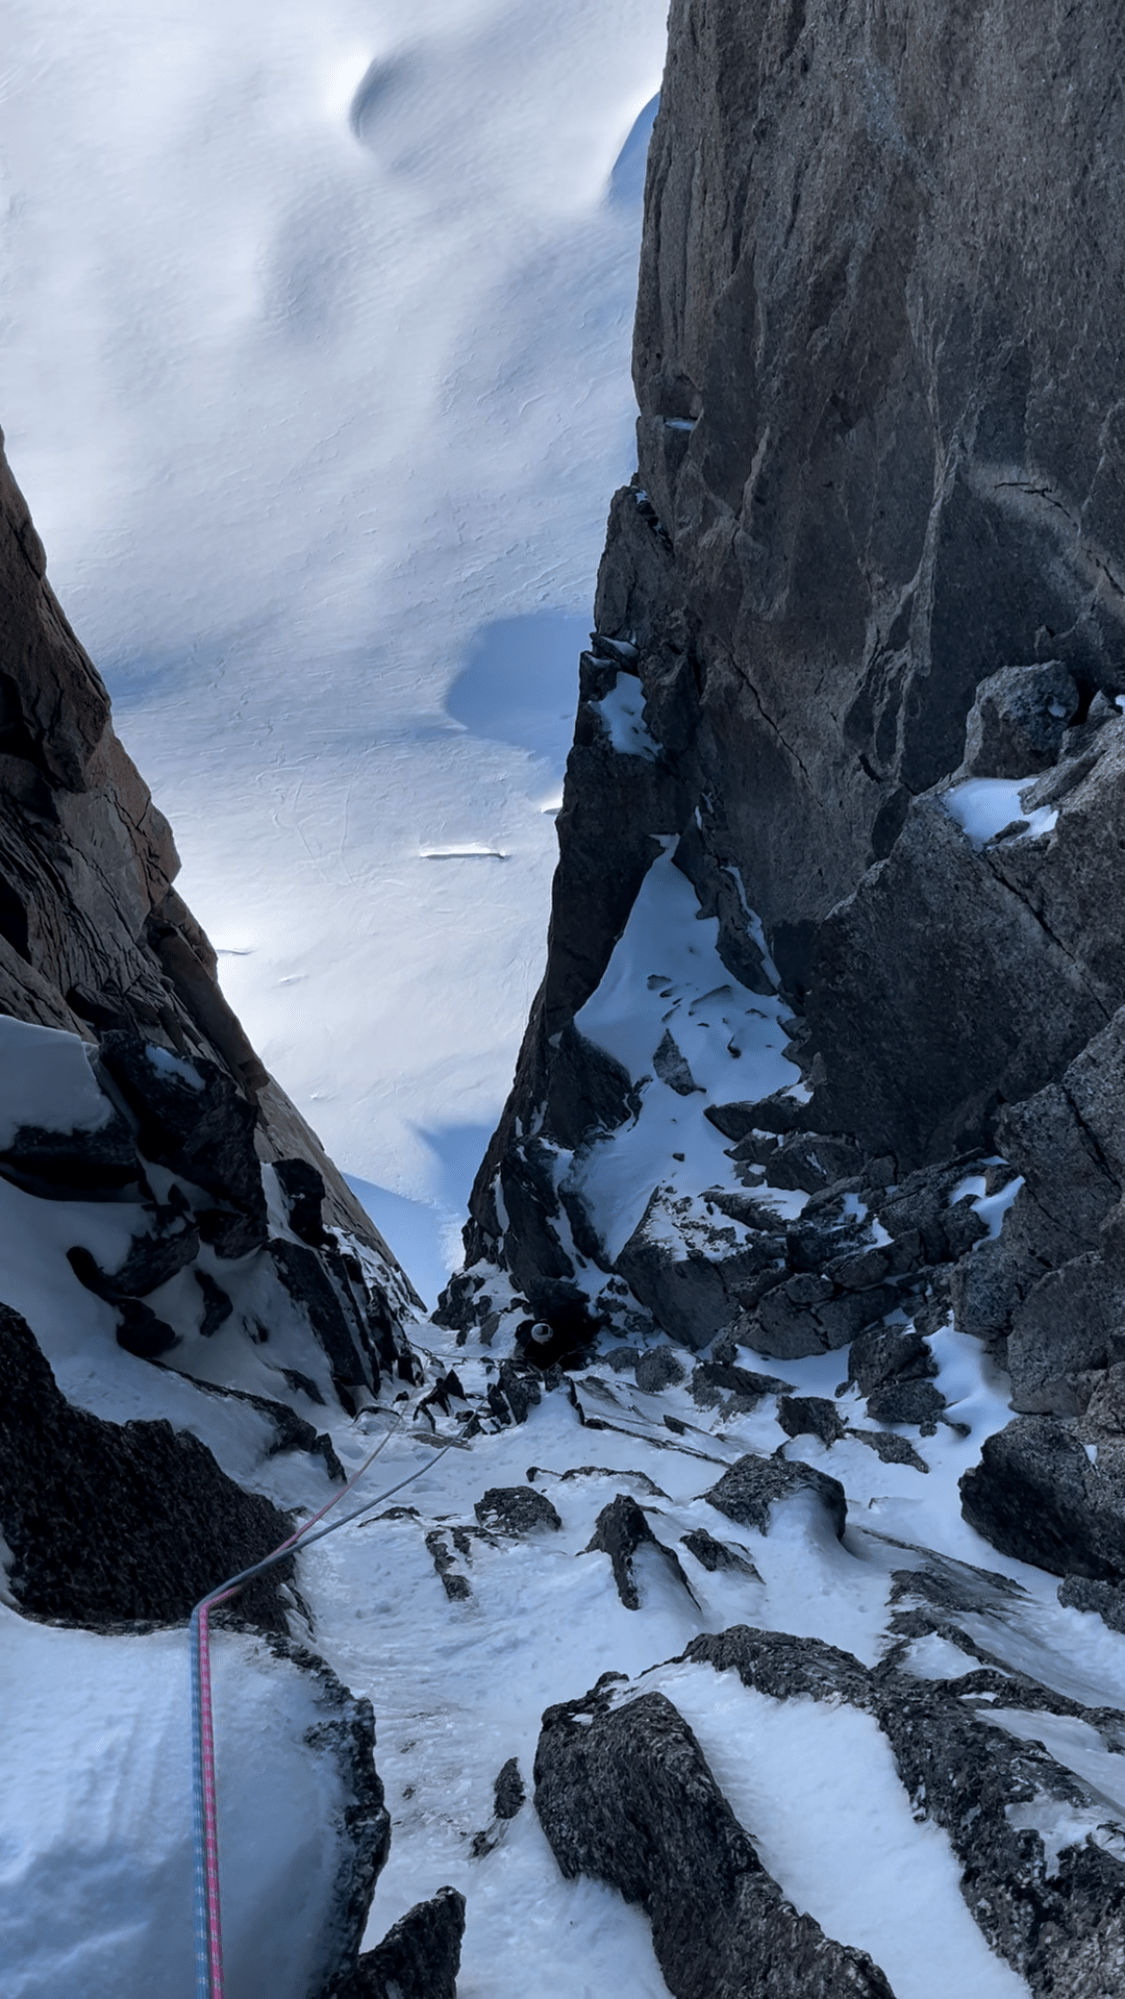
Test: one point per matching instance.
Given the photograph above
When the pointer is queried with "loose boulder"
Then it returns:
(750, 1490)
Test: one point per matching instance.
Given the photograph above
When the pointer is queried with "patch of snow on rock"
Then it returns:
(46, 1079)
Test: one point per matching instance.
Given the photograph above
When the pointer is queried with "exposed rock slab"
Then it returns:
(625, 1795)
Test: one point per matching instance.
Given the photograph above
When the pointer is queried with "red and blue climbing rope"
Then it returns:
(205, 1826)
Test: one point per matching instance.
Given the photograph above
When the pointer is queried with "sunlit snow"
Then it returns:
(316, 374)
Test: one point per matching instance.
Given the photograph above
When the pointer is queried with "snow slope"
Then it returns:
(459, 1687)
(95, 1824)
(94, 1819)
(315, 373)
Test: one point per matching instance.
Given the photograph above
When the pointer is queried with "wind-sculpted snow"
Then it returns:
(316, 368)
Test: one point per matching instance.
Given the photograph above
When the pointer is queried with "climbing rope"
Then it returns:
(205, 1831)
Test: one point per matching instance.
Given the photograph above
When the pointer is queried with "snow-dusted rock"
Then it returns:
(687, 1263)
(658, 1368)
(623, 1792)
(117, 1523)
(516, 1509)
(1043, 1872)
(753, 1486)
(419, 1957)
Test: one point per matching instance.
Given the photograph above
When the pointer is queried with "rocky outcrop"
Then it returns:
(855, 678)
(625, 1794)
(419, 1958)
(112, 1524)
(1041, 1870)
(620, 1532)
(94, 938)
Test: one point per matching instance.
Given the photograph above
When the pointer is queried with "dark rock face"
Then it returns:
(877, 1359)
(447, 1559)
(872, 556)
(1046, 1295)
(1060, 1924)
(515, 1393)
(196, 1122)
(419, 1958)
(626, 1796)
(516, 1510)
(874, 552)
(990, 1005)
(620, 1529)
(1036, 1495)
(304, 1191)
(113, 1524)
(753, 1486)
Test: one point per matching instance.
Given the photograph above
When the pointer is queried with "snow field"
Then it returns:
(316, 374)
(95, 1817)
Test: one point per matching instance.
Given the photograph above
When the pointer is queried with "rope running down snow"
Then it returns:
(205, 1842)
